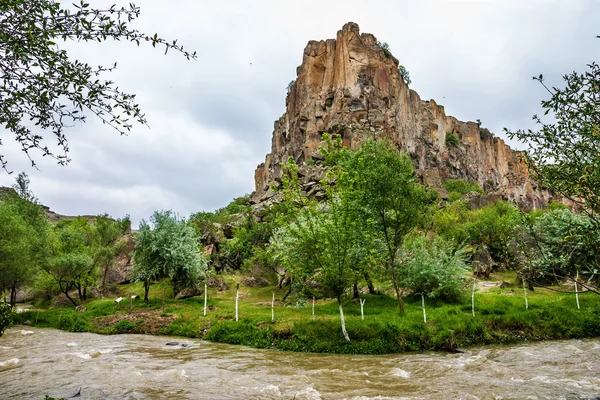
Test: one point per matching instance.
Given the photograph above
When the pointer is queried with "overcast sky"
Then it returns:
(211, 120)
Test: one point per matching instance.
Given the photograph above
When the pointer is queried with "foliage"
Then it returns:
(388, 194)
(461, 186)
(290, 86)
(452, 140)
(433, 269)
(404, 74)
(168, 247)
(385, 47)
(563, 155)
(564, 244)
(43, 87)
(494, 226)
(24, 237)
(125, 326)
(6, 316)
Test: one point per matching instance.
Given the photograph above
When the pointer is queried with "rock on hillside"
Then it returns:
(352, 87)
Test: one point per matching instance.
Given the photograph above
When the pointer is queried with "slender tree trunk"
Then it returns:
(146, 290)
(473, 296)
(237, 301)
(525, 293)
(85, 293)
(343, 321)
(66, 292)
(362, 309)
(423, 305)
(577, 291)
(289, 291)
(13, 296)
(79, 292)
(397, 288)
(370, 283)
(313, 309)
(273, 308)
(355, 293)
(205, 296)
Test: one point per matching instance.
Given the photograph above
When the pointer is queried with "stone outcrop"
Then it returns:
(350, 86)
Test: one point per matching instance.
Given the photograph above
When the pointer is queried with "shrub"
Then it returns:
(125, 326)
(6, 317)
(433, 268)
(462, 186)
(452, 140)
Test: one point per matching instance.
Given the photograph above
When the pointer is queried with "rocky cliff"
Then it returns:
(352, 87)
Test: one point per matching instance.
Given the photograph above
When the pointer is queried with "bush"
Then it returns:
(452, 140)
(462, 186)
(125, 326)
(6, 317)
(433, 268)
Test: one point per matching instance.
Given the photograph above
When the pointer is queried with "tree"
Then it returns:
(23, 237)
(43, 88)
(15, 250)
(404, 74)
(564, 155)
(389, 196)
(168, 248)
(433, 269)
(324, 245)
(107, 242)
(562, 244)
(72, 265)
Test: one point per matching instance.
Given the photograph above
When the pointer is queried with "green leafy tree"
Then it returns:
(43, 88)
(168, 247)
(389, 195)
(15, 250)
(433, 269)
(564, 154)
(107, 243)
(326, 244)
(24, 231)
(72, 265)
(404, 74)
(561, 244)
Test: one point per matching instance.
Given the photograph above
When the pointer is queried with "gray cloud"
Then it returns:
(211, 120)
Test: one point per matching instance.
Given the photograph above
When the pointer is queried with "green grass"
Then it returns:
(501, 318)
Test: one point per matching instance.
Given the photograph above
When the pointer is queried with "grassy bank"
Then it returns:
(500, 318)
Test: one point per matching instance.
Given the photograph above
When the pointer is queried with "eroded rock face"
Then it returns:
(351, 87)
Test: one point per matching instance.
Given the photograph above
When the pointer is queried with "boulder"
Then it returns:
(188, 292)
(483, 264)
(255, 281)
(216, 282)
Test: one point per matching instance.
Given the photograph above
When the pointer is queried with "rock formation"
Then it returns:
(350, 86)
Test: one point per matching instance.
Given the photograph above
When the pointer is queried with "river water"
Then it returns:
(35, 362)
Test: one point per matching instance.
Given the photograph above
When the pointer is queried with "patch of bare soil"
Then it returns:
(147, 322)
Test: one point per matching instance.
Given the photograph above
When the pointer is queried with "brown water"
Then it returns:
(35, 362)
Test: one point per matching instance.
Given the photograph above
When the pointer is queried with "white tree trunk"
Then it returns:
(273, 308)
(423, 305)
(473, 296)
(237, 300)
(343, 322)
(313, 309)
(577, 290)
(362, 312)
(205, 296)
(525, 292)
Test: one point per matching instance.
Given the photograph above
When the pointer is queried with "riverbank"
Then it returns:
(500, 318)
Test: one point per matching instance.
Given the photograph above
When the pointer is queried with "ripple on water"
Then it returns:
(9, 364)
(401, 373)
